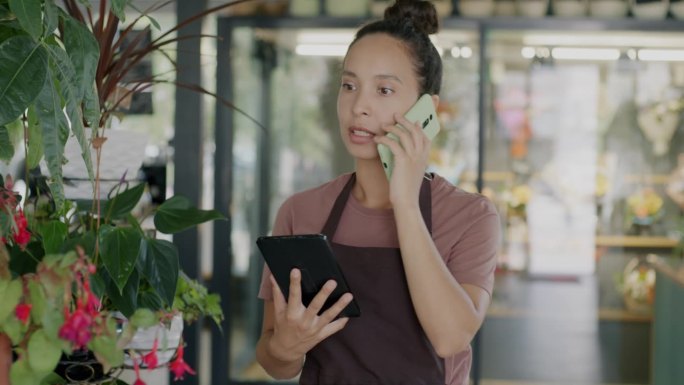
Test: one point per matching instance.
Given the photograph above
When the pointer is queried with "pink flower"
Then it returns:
(21, 234)
(76, 328)
(136, 368)
(150, 359)
(22, 312)
(179, 367)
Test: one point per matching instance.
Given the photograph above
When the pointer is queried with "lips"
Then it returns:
(360, 135)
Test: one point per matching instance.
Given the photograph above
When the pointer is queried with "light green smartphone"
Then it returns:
(423, 111)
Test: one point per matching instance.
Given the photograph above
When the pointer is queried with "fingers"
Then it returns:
(278, 297)
(337, 308)
(333, 327)
(319, 300)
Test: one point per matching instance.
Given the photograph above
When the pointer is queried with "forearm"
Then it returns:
(275, 367)
(5, 359)
(444, 309)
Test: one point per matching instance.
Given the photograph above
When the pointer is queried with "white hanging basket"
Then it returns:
(169, 337)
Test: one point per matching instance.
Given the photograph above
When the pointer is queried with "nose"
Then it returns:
(362, 105)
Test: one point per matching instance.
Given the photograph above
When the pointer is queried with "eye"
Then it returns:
(385, 91)
(348, 86)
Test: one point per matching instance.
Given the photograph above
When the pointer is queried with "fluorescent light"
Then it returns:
(603, 39)
(325, 37)
(466, 52)
(527, 52)
(661, 54)
(321, 49)
(568, 53)
(456, 52)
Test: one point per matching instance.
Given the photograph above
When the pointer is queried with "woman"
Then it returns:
(418, 253)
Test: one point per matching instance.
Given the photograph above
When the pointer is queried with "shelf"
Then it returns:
(456, 22)
(603, 314)
(635, 241)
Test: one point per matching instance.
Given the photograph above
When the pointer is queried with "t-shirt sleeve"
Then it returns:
(474, 257)
(282, 226)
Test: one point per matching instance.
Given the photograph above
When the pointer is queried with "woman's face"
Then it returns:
(377, 81)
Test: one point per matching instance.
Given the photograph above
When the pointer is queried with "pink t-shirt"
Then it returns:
(465, 228)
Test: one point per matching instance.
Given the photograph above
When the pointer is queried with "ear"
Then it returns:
(435, 99)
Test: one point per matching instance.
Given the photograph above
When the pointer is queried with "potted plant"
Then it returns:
(67, 267)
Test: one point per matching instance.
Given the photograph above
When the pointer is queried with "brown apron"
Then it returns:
(386, 345)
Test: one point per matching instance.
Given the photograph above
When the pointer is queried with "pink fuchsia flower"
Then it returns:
(178, 366)
(136, 368)
(21, 234)
(76, 328)
(22, 312)
(150, 359)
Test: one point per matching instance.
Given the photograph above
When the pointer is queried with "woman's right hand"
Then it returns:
(297, 329)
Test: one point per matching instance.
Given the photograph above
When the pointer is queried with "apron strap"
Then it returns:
(425, 203)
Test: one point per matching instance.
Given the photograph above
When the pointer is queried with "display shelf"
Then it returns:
(635, 241)
(546, 23)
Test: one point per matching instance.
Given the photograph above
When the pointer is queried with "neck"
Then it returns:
(372, 187)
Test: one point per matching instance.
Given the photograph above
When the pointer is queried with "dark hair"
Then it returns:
(411, 21)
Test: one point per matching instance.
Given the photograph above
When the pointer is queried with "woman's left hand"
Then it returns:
(410, 160)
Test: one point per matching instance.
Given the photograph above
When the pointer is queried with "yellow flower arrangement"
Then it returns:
(644, 206)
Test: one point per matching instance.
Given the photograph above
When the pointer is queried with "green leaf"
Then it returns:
(29, 14)
(91, 108)
(12, 328)
(51, 16)
(159, 261)
(150, 300)
(21, 373)
(65, 72)
(35, 143)
(86, 241)
(143, 318)
(176, 214)
(52, 378)
(55, 131)
(84, 53)
(10, 292)
(54, 233)
(37, 297)
(122, 203)
(119, 247)
(119, 8)
(52, 322)
(43, 353)
(24, 66)
(106, 351)
(126, 300)
(6, 146)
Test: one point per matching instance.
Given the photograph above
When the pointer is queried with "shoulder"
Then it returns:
(451, 199)
(306, 211)
(456, 212)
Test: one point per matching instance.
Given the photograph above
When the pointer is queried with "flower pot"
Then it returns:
(169, 337)
(638, 285)
(650, 10)
(569, 8)
(81, 367)
(532, 8)
(504, 8)
(476, 8)
(608, 8)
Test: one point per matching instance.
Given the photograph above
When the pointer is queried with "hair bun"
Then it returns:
(420, 13)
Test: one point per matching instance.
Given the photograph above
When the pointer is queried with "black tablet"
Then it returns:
(313, 256)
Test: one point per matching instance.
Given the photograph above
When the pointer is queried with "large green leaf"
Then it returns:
(159, 261)
(176, 214)
(10, 134)
(55, 132)
(84, 52)
(43, 353)
(51, 16)
(29, 14)
(126, 300)
(121, 204)
(35, 143)
(119, 247)
(21, 373)
(10, 292)
(54, 233)
(6, 146)
(64, 71)
(38, 302)
(23, 65)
